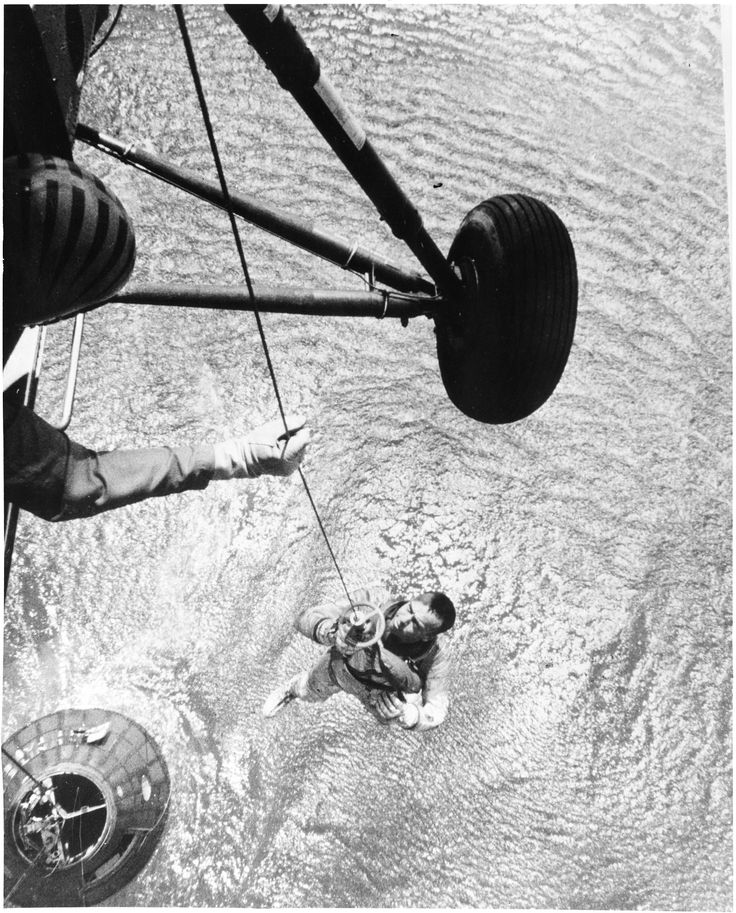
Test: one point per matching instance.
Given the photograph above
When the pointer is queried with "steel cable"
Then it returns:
(241, 254)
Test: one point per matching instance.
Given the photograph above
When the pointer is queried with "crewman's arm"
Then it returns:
(56, 478)
(96, 482)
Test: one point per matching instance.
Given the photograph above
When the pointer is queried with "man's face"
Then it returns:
(414, 621)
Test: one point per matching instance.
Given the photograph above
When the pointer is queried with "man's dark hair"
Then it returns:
(442, 607)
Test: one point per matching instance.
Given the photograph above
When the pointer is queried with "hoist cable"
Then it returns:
(241, 254)
(107, 34)
(225, 193)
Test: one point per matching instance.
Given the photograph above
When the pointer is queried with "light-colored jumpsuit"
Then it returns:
(331, 673)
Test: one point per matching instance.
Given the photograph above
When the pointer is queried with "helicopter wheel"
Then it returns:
(504, 348)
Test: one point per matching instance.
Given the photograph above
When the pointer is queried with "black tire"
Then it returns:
(503, 350)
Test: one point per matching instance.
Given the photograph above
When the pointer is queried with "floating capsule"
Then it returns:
(84, 809)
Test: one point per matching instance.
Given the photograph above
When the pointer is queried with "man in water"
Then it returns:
(56, 478)
(401, 678)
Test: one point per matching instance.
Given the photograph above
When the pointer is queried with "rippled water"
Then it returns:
(586, 760)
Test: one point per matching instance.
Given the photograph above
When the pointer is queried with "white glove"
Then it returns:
(265, 450)
(409, 716)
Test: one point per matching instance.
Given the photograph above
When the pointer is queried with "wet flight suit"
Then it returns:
(423, 668)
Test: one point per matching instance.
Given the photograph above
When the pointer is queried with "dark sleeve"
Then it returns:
(35, 460)
(57, 479)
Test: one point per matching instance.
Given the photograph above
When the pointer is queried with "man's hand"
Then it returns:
(409, 716)
(390, 706)
(266, 450)
(344, 643)
(358, 629)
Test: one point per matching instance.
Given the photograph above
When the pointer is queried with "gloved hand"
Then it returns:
(358, 629)
(264, 450)
(344, 643)
(389, 706)
(409, 716)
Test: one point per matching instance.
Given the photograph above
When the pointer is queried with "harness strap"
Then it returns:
(366, 678)
(330, 670)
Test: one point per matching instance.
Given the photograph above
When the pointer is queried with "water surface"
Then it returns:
(586, 759)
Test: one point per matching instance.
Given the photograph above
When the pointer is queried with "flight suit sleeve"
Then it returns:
(399, 673)
(56, 478)
(35, 459)
(435, 694)
(319, 622)
(96, 482)
(377, 596)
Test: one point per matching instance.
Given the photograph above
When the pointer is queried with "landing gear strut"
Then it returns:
(506, 325)
(504, 301)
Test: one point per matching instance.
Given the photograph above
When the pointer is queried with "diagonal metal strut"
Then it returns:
(277, 41)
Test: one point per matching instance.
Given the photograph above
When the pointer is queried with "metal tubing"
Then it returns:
(71, 378)
(296, 231)
(279, 44)
(28, 398)
(280, 301)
